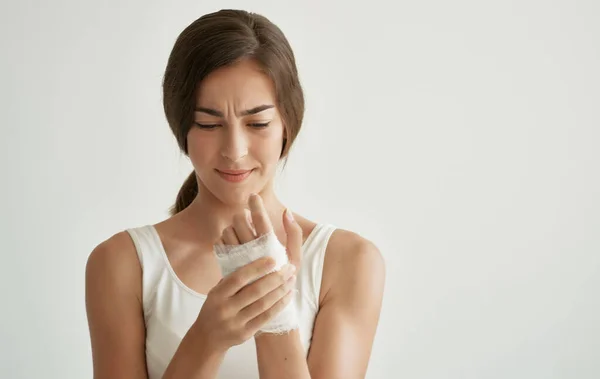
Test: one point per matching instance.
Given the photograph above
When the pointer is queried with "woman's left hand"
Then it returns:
(249, 225)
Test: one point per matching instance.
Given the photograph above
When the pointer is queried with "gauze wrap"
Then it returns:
(232, 257)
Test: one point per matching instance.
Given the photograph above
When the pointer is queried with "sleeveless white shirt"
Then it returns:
(170, 307)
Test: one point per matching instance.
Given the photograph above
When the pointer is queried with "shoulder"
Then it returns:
(350, 245)
(352, 263)
(113, 264)
(114, 252)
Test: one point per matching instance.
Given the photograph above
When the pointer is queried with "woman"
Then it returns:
(158, 305)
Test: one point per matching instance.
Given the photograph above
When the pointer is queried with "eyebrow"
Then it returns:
(247, 112)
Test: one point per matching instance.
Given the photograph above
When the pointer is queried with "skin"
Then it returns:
(225, 212)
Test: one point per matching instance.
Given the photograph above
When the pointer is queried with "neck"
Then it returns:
(208, 215)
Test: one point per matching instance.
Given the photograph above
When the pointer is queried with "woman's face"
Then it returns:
(237, 129)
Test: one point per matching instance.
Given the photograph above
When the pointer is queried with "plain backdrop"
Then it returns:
(461, 137)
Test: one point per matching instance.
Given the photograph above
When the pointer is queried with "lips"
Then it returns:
(234, 176)
(234, 172)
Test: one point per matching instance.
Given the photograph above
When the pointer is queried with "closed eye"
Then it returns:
(207, 126)
(259, 125)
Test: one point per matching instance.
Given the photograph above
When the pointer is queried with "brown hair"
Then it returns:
(219, 39)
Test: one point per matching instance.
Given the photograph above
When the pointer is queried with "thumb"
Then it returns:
(294, 238)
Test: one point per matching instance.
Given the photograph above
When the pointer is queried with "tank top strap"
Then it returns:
(313, 258)
(152, 260)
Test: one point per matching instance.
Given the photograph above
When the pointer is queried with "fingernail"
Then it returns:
(289, 215)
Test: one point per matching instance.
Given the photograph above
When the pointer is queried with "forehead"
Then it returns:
(242, 82)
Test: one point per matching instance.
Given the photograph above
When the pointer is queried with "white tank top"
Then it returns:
(170, 307)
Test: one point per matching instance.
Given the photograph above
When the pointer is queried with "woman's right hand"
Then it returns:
(241, 303)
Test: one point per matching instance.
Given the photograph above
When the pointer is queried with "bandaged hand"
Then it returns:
(251, 237)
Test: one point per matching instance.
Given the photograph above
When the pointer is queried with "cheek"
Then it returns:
(270, 145)
(199, 147)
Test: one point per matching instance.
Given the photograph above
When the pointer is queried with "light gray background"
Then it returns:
(461, 137)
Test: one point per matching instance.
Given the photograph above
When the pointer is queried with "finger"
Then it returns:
(257, 322)
(252, 227)
(242, 227)
(267, 301)
(229, 236)
(294, 238)
(260, 218)
(259, 289)
(238, 279)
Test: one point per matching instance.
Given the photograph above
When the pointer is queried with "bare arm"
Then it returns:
(114, 310)
(281, 356)
(194, 359)
(116, 321)
(346, 323)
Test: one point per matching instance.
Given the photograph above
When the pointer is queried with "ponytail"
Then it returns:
(186, 194)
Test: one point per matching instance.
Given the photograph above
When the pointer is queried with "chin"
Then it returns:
(236, 200)
(233, 196)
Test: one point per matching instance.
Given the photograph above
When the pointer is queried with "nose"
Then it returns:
(234, 145)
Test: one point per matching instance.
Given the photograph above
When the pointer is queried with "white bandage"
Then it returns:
(232, 257)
